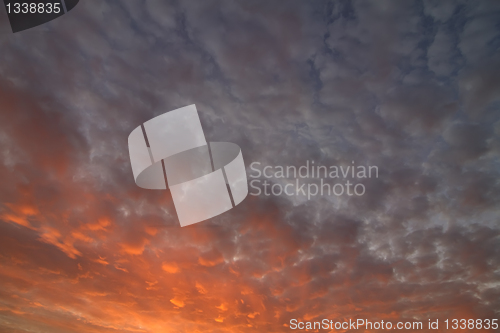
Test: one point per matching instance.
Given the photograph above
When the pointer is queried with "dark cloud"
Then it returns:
(410, 87)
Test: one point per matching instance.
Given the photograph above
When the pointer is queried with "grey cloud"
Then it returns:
(405, 86)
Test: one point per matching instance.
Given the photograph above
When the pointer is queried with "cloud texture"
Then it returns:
(409, 86)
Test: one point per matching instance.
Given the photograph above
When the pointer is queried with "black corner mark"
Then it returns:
(26, 14)
(70, 4)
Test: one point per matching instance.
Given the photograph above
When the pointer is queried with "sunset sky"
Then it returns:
(412, 87)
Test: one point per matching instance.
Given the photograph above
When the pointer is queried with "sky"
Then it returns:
(411, 87)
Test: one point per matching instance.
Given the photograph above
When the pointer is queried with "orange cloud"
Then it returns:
(170, 267)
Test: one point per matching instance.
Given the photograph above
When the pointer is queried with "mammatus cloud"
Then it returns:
(406, 86)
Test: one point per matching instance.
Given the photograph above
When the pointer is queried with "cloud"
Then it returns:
(407, 86)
